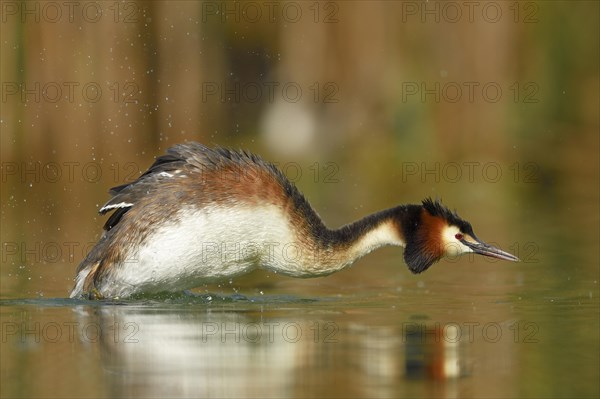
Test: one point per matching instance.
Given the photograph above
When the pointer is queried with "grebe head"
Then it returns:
(439, 232)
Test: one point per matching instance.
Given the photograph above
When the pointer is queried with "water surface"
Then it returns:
(395, 341)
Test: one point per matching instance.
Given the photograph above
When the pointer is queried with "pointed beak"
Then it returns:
(484, 249)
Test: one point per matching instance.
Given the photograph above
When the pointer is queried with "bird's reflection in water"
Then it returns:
(422, 352)
(434, 351)
(275, 353)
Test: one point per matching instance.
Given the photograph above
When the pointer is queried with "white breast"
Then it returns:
(207, 245)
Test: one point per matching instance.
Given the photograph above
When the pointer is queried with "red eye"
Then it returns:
(458, 236)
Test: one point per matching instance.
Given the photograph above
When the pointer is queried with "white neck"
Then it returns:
(337, 257)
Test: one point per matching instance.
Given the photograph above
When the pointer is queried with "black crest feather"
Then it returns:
(436, 208)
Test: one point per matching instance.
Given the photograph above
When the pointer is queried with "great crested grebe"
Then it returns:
(201, 215)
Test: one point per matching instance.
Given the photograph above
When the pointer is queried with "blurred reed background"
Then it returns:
(493, 107)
